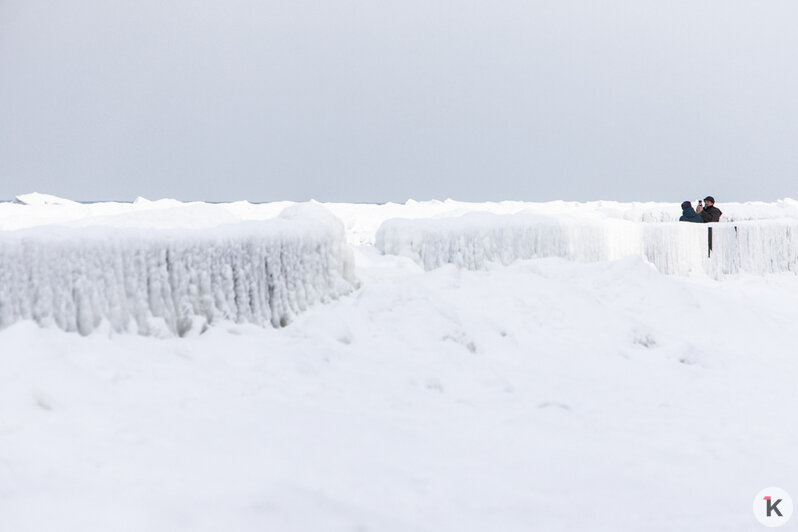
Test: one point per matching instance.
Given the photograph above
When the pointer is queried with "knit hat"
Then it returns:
(709, 199)
(686, 204)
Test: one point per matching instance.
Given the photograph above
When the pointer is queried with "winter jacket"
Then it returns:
(689, 215)
(711, 214)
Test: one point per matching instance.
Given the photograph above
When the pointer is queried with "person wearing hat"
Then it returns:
(689, 214)
(709, 213)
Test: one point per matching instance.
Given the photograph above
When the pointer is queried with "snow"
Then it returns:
(38, 199)
(361, 220)
(545, 394)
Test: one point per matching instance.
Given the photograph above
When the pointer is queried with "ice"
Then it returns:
(168, 267)
(169, 281)
(474, 240)
(760, 247)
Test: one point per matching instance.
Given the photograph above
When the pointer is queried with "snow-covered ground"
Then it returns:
(546, 394)
(362, 220)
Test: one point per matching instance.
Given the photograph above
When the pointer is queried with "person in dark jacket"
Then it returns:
(689, 214)
(709, 213)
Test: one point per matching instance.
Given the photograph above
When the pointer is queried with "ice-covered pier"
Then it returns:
(473, 240)
(170, 268)
(168, 281)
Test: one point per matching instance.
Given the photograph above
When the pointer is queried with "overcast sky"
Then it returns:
(383, 101)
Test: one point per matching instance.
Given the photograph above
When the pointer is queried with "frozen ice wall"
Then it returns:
(473, 240)
(165, 282)
(761, 246)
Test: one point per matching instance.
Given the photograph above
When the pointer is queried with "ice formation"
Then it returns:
(162, 281)
(140, 268)
(473, 240)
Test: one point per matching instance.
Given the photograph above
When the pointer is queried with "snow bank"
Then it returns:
(162, 282)
(41, 200)
(361, 220)
(473, 240)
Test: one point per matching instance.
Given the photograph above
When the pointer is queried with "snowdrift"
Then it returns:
(473, 240)
(362, 220)
(165, 282)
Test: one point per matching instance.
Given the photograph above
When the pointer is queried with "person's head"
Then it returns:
(686, 205)
(709, 200)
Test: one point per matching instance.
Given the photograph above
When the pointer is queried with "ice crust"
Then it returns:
(474, 240)
(165, 281)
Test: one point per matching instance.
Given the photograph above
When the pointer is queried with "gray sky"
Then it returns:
(383, 101)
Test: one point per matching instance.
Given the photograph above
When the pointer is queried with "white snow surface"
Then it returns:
(546, 394)
(361, 220)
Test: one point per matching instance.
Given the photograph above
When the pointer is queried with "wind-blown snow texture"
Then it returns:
(473, 240)
(163, 282)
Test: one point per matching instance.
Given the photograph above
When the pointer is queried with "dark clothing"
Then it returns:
(710, 214)
(689, 215)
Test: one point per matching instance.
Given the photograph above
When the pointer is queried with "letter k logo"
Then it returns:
(772, 506)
